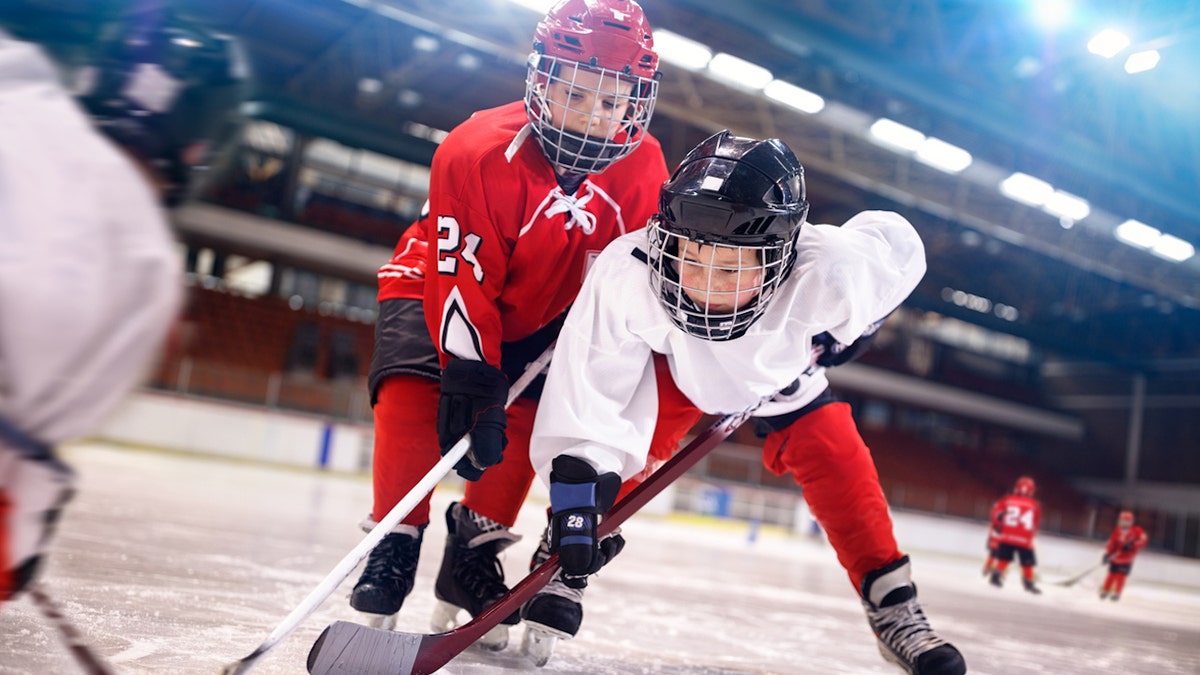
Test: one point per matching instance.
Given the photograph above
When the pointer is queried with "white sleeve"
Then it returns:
(600, 401)
(875, 261)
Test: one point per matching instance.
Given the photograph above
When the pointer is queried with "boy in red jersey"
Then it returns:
(1015, 520)
(522, 197)
(1123, 546)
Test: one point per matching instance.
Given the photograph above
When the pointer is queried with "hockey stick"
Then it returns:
(377, 533)
(1078, 577)
(346, 647)
(87, 659)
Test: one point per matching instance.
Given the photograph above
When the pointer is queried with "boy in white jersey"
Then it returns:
(748, 305)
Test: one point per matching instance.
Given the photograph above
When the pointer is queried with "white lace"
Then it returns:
(904, 629)
(565, 203)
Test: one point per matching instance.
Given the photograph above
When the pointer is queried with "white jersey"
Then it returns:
(89, 274)
(600, 400)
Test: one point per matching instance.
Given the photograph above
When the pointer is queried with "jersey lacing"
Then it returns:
(565, 203)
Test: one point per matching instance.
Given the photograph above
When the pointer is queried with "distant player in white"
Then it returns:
(748, 304)
(90, 277)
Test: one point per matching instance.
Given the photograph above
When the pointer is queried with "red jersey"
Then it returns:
(1015, 519)
(508, 249)
(404, 275)
(1123, 545)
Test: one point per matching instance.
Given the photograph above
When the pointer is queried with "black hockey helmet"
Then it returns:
(166, 88)
(733, 192)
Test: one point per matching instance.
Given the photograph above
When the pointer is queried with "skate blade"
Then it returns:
(538, 645)
(445, 619)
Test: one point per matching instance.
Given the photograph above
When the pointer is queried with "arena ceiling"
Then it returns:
(980, 75)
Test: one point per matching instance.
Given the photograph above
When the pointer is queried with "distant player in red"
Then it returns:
(1015, 520)
(522, 198)
(1123, 545)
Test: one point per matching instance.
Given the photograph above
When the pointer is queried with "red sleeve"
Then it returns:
(404, 275)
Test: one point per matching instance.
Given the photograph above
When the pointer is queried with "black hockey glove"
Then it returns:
(1107, 558)
(472, 401)
(836, 353)
(1127, 546)
(578, 497)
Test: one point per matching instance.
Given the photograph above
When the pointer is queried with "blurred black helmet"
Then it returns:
(167, 89)
(734, 192)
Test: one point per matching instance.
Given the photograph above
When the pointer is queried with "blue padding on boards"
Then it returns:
(326, 445)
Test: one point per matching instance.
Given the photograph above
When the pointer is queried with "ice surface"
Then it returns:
(180, 564)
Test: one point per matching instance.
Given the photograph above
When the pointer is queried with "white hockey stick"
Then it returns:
(1078, 577)
(385, 525)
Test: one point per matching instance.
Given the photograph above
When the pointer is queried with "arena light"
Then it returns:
(1051, 14)
(680, 51)
(1067, 205)
(943, 156)
(1173, 248)
(794, 97)
(1108, 43)
(896, 135)
(539, 6)
(1137, 233)
(1026, 189)
(1141, 61)
(739, 72)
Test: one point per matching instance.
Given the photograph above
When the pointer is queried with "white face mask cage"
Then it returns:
(619, 103)
(702, 298)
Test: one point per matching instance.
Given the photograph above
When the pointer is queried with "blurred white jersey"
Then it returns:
(600, 400)
(89, 274)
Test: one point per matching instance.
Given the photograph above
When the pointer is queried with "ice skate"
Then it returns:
(996, 580)
(388, 577)
(554, 613)
(1031, 587)
(1115, 597)
(903, 633)
(471, 577)
(1103, 595)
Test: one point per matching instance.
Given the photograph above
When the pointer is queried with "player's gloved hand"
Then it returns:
(1127, 547)
(472, 401)
(578, 497)
(1107, 558)
(834, 353)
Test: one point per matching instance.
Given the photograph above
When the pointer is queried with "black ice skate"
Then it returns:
(388, 577)
(1031, 587)
(904, 635)
(996, 580)
(555, 612)
(471, 577)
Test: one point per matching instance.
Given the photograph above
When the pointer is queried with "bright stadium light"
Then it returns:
(739, 72)
(1026, 189)
(1141, 61)
(680, 51)
(1066, 205)
(1108, 43)
(1137, 233)
(539, 6)
(1051, 14)
(896, 135)
(793, 96)
(1173, 248)
(943, 156)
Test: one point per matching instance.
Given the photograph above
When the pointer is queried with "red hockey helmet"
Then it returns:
(1125, 520)
(1025, 486)
(611, 41)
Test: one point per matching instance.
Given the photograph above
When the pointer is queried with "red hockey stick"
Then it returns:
(381, 529)
(346, 647)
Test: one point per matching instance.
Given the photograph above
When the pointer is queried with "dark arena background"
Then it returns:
(1049, 165)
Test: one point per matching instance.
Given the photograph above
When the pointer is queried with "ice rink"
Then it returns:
(179, 564)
